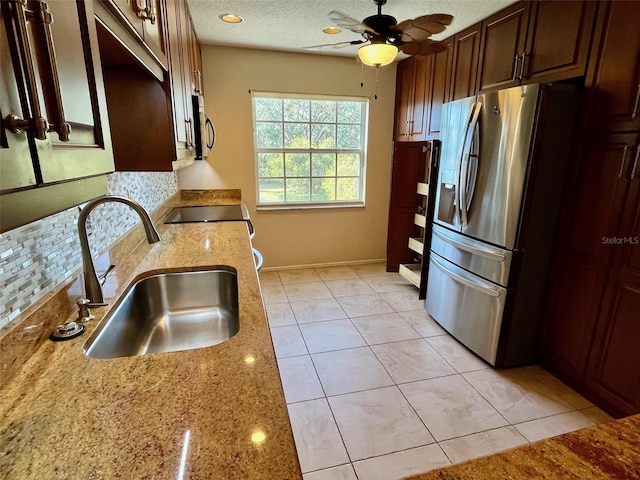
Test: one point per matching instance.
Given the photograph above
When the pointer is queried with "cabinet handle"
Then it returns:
(522, 65)
(198, 82)
(635, 163)
(624, 157)
(60, 125)
(189, 130)
(634, 115)
(145, 10)
(18, 32)
(515, 67)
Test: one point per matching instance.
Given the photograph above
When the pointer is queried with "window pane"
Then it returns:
(296, 110)
(298, 190)
(268, 109)
(296, 135)
(309, 150)
(323, 111)
(348, 164)
(268, 135)
(271, 190)
(323, 164)
(349, 112)
(348, 136)
(347, 189)
(297, 164)
(323, 136)
(270, 165)
(323, 189)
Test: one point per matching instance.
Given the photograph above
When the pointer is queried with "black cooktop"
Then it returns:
(213, 213)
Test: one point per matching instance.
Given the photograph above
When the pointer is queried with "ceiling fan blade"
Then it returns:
(426, 47)
(336, 45)
(345, 21)
(421, 28)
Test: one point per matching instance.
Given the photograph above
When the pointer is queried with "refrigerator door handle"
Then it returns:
(458, 193)
(482, 252)
(465, 199)
(484, 288)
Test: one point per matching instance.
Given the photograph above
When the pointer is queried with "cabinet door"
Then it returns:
(466, 48)
(196, 56)
(613, 80)
(591, 210)
(80, 98)
(614, 369)
(558, 40)
(180, 63)
(58, 69)
(153, 30)
(404, 94)
(15, 156)
(409, 166)
(438, 95)
(420, 103)
(503, 41)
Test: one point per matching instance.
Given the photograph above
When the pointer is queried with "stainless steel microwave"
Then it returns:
(205, 132)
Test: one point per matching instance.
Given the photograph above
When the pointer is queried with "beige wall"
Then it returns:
(296, 237)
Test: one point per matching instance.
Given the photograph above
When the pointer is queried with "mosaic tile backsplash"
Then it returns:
(37, 257)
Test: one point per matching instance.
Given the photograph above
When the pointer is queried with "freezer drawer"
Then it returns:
(485, 260)
(467, 306)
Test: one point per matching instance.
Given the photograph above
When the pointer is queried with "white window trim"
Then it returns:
(363, 151)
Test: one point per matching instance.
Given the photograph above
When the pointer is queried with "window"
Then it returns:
(310, 150)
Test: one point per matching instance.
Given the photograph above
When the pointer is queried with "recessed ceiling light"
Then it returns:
(230, 18)
(331, 30)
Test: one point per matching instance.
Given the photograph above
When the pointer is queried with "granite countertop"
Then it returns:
(198, 414)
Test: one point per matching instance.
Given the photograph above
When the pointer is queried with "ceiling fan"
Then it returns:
(383, 36)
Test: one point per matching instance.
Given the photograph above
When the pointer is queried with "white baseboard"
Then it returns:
(321, 265)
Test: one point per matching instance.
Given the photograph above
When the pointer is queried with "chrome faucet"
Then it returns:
(92, 287)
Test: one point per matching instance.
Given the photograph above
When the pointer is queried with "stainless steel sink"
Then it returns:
(168, 312)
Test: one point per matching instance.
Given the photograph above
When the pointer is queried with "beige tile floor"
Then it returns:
(377, 390)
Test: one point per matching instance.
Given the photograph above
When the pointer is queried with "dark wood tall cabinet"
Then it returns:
(408, 168)
(613, 371)
(594, 200)
(591, 327)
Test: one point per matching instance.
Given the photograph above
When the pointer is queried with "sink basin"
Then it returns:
(169, 312)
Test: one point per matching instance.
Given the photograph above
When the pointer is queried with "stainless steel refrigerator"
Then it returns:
(502, 168)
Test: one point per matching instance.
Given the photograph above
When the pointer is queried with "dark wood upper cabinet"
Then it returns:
(558, 40)
(414, 80)
(144, 20)
(439, 92)
(151, 109)
(51, 79)
(613, 80)
(531, 42)
(180, 56)
(404, 90)
(503, 40)
(466, 48)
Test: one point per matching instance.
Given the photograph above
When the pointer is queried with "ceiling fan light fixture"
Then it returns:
(230, 18)
(377, 54)
(331, 30)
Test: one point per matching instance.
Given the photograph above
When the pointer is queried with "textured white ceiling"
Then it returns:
(292, 24)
